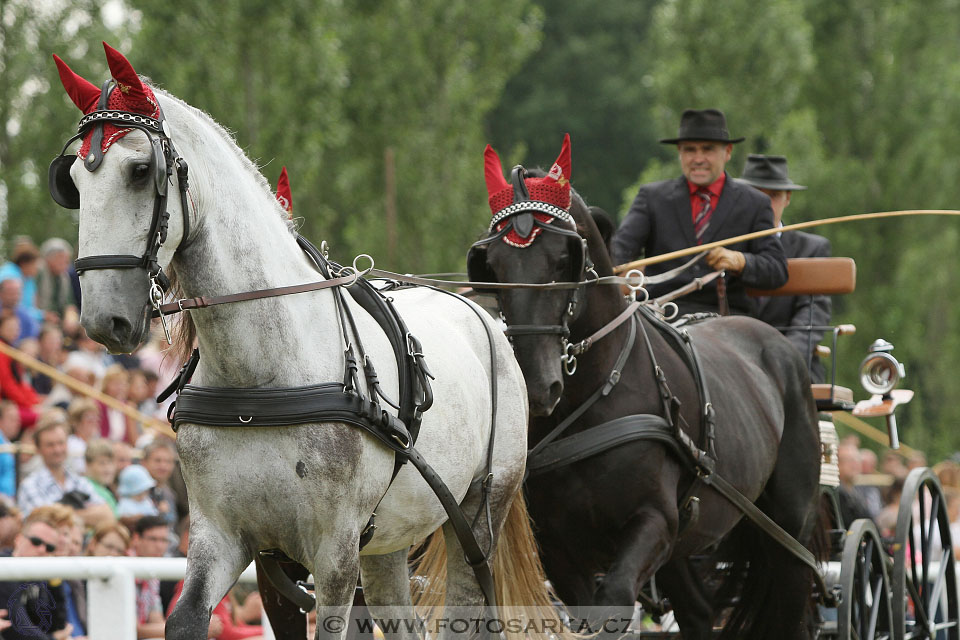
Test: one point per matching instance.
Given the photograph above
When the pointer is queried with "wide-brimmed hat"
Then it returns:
(768, 172)
(134, 480)
(703, 124)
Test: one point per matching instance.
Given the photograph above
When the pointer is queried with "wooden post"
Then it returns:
(85, 389)
(390, 203)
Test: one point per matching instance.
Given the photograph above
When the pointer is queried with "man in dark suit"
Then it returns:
(700, 207)
(791, 314)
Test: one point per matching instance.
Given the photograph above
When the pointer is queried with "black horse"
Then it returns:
(608, 522)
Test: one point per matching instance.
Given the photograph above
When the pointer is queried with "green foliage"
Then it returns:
(858, 95)
(591, 77)
(35, 113)
(334, 92)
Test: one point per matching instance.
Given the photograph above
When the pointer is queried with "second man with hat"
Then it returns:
(793, 315)
(699, 207)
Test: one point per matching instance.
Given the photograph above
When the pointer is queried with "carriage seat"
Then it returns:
(832, 397)
(815, 276)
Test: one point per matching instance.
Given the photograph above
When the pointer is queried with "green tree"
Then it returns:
(36, 114)
(336, 92)
(591, 78)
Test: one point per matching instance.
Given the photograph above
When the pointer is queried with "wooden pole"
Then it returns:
(85, 389)
(868, 430)
(390, 203)
(636, 264)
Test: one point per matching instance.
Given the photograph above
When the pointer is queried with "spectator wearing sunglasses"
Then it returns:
(38, 538)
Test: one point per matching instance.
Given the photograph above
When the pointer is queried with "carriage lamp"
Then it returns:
(880, 373)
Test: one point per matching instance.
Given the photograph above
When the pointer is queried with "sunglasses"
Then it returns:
(37, 542)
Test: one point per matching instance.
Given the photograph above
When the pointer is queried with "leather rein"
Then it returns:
(331, 402)
(553, 451)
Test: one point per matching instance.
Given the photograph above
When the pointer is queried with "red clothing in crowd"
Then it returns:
(231, 631)
(14, 387)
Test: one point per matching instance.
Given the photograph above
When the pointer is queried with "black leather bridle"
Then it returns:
(519, 217)
(164, 160)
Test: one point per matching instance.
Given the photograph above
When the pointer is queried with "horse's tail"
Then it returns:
(526, 604)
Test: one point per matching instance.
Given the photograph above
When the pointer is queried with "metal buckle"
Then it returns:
(156, 299)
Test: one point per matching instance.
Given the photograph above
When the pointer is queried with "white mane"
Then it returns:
(229, 142)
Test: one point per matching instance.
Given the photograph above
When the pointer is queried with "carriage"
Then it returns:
(904, 586)
(867, 586)
(248, 425)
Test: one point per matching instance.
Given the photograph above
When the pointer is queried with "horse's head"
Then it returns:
(129, 229)
(533, 238)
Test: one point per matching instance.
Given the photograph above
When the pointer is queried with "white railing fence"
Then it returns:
(111, 592)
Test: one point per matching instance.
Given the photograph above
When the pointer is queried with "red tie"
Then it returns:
(702, 221)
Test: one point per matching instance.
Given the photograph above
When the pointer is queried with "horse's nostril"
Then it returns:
(555, 390)
(120, 327)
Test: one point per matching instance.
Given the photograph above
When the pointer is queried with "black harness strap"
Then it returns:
(602, 437)
(601, 391)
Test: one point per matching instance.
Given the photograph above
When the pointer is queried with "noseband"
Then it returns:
(164, 159)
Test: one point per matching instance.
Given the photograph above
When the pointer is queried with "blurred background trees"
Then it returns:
(380, 110)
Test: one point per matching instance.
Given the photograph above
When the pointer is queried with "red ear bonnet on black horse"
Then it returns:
(521, 207)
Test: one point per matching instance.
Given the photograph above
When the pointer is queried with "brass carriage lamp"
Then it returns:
(880, 373)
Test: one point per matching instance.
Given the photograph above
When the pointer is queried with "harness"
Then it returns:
(345, 401)
(554, 451)
(164, 160)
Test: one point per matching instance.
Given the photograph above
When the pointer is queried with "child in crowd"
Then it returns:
(134, 484)
(102, 470)
(13, 380)
(84, 417)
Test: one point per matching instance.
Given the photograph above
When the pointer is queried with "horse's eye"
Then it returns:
(141, 172)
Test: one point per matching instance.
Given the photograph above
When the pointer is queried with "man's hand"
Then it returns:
(721, 259)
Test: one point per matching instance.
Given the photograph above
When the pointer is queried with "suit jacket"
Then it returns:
(800, 311)
(660, 221)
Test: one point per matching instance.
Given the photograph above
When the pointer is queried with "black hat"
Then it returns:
(702, 124)
(768, 172)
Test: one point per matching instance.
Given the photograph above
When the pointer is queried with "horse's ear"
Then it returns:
(605, 224)
(283, 192)
(561, 169)
(128, 82)
(84, 93)
(493, 171)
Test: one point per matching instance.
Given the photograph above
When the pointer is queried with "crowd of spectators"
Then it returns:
(872, 487)
(78, 477)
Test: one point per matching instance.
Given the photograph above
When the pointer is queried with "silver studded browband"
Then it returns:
(120, 117)
(531, 205)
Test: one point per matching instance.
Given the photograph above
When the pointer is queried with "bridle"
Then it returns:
(164, 160)
(519, 217)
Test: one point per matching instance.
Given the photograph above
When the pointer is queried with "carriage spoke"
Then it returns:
(875, 602)
(937, 589)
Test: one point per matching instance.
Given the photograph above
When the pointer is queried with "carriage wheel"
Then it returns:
(924, 574)
(864, 610)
